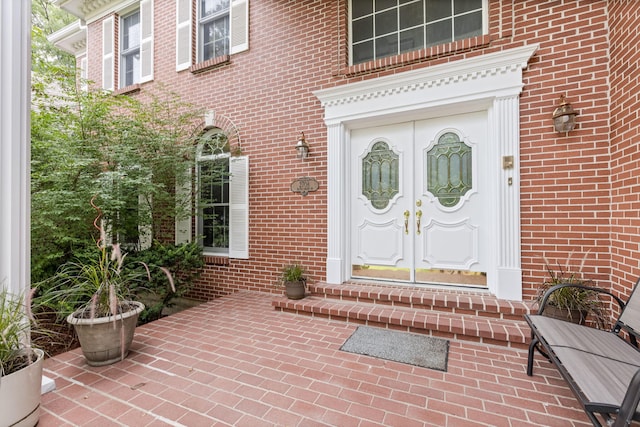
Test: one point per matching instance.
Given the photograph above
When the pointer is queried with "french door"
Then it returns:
(417, 208)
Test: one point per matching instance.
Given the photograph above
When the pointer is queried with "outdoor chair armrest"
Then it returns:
(630, 403)
(547, 294)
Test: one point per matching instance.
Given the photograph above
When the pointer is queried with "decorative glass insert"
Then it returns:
(380, 175)
(381, 28)
(449, 174)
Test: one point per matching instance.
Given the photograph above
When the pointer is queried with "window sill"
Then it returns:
(210, 64)
(210, 259)
(127, 89)
(431, 52)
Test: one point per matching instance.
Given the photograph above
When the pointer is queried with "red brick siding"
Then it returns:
(624, 19)
(568, 183)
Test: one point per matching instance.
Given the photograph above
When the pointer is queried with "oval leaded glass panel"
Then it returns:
(449, 169)
(380, 175)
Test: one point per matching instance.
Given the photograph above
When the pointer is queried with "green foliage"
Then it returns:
(14, 329)
(96, 283)
(131, 153)
(569, 299)
(293, 273)
(184, 261)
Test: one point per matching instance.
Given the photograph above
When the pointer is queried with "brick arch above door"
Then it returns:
(491, 83)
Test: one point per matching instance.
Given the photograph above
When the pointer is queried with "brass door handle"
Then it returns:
(406, 221)
(418, 217)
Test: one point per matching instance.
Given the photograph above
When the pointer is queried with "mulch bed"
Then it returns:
(53, 336)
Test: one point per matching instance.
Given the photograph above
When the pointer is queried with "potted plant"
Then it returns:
(20, 365)
(98, 290)
(567, 295)
(294, 280)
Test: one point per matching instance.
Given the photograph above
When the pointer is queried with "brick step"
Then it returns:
(468, 316)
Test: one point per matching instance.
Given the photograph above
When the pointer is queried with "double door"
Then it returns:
(417, 208)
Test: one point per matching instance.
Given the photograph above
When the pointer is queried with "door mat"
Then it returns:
(403, 347)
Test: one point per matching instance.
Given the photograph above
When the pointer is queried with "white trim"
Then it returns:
(15, 84)
(489, 82)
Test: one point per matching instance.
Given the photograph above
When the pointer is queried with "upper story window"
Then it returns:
(130, 49)
(127, 46)
(381, 28)
(213, 29)
(222, 30)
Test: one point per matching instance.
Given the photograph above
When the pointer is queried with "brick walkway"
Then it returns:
(237, 361)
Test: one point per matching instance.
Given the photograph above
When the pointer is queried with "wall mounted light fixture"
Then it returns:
(564, 117)
(302, 148)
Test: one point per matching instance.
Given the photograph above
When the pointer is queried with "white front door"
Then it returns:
(417, 211)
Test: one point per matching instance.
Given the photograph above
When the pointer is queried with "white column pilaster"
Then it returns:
(505, 124)
(336, 211)
(15, 72)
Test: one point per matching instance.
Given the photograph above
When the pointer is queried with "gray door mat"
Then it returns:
(405, 347)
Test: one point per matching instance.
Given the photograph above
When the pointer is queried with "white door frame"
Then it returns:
(490, 82)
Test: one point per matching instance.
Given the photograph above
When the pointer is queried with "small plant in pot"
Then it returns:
(20, 364)
(294, 280)
(567, 295)
(97, 290)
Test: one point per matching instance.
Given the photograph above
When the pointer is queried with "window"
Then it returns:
(134, 50)
(381, 28)
(130, 49)
(222, 29)
(213, 29)
(222, 199)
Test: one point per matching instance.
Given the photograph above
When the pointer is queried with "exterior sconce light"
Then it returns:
(302, 148)
(564, 117)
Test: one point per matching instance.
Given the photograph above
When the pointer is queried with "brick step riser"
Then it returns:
(436, 330)
(420, 305)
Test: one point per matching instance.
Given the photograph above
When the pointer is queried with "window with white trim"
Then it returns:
(222, 28)
(130, 49)
(213, 29)
(222, 197)
(134, 50)
(381, 28)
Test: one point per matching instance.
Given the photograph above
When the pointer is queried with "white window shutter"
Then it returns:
(183, 34)
(84, 73)
(183, 198)
(146, 41)
(107, 53)
(239, 207)
(239, 18)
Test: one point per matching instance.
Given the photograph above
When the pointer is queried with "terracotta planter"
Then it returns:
(295, 290)
(20, 395)
(101, 340)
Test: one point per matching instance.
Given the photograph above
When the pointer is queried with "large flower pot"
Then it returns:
(102, 340)
(20, 395)
(295, 290)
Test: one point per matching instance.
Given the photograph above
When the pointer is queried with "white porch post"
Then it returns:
(15, 83)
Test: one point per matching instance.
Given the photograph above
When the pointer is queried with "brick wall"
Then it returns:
(568, 182)
(624, 143)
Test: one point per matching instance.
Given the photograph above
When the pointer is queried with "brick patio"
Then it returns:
(238, 361)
